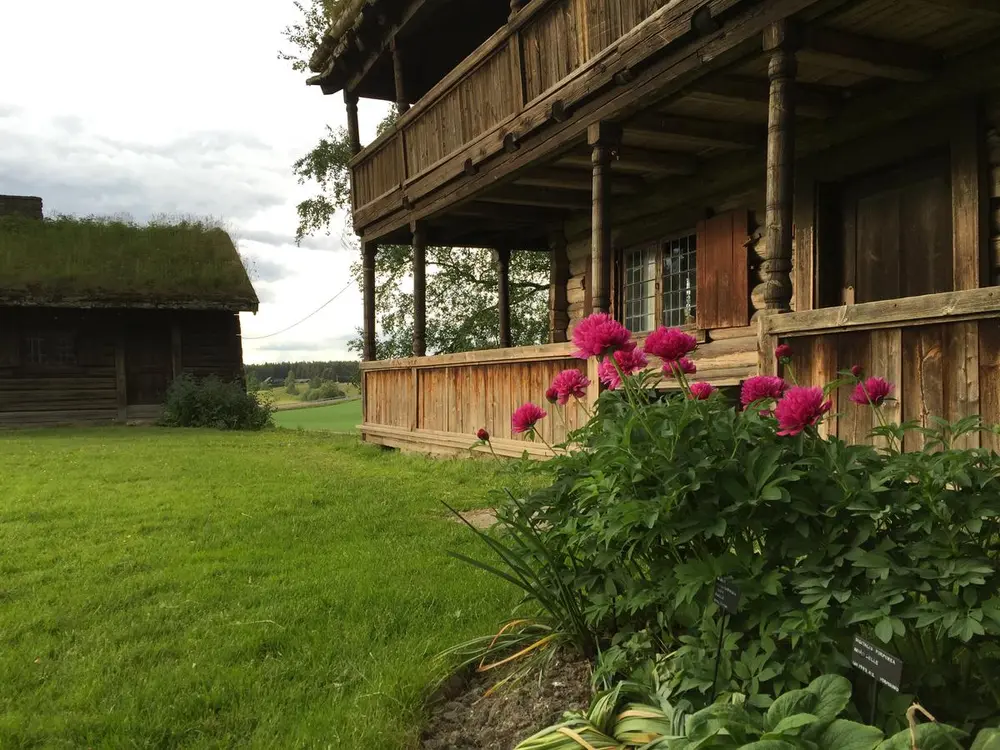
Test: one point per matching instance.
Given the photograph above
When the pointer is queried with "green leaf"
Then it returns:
(883, 631)
(930, 736)
(794, 724)
(770, 745)
(988, 739)
(833, 693)
(792, 702)
(849, 735)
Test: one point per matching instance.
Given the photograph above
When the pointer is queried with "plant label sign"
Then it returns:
(877, 664)
(727, 595)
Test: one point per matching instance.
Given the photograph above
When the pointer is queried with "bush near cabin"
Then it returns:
(211, 402)
(656, 498)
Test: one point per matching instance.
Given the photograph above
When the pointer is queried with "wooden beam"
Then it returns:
(529, 196)
(571, 179)
(509, 214)
(368, 250)
(503, 295)
(558, 281)
(603, 138)
(970, 192)
(774, 292)
(419, 288)
(985, 8)
(402, 102)
(698, 132)
(866, 56)
(177, 350)
(121, 377)
(643, 160)
(811, 100)
(353, 130)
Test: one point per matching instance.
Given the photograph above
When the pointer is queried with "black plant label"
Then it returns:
(727, 595)
(876, 663)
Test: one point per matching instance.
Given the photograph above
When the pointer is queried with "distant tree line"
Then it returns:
(339, 372)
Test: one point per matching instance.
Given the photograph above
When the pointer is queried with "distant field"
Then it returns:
(278, 395)
(334, 418)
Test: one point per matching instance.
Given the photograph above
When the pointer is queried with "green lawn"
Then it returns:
(197, 589)
(334, 418)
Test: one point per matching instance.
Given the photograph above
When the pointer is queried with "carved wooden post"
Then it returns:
(402, 103)
(558, 281)
(503, 295)
(419, 289)
(515, 6)
(774, 292)
(353, 131)
(368, 263)
(604, 138)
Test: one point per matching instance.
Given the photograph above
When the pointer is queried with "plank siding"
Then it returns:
(113, 367)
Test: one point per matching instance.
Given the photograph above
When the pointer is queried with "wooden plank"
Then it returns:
(886, 361)
(869, 57)
(989, 380)
(923, 379)
(961, 376)
(927, 308)
(698, 132)
(804, 251)
(854, 421)
(120, 378)
(970, 199)
(811, 101)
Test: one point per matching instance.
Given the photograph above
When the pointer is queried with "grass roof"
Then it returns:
(69, 261)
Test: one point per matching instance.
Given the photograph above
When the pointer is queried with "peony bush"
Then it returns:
(657, 496)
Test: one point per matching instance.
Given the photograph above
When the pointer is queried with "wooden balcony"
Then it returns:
(550, 57)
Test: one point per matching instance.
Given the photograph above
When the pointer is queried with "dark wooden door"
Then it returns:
(897, 232)
(147, 364)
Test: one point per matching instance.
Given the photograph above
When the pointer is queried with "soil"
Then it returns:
(463, 719)
(481, 519)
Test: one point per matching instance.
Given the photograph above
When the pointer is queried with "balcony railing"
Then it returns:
(548, 42)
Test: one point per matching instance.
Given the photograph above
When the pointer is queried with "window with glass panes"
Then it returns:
(658, 284)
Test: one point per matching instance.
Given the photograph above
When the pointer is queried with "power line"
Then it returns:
(293, 325)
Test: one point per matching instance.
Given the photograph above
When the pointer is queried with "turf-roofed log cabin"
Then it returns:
(97, 317)
(824, 173)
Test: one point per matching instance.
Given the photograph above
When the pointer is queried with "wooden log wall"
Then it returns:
(211, 344)
(993, 151)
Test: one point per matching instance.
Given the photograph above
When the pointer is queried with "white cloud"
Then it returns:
(138, 108)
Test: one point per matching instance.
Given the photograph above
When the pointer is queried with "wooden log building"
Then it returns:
(819, 172)
(98, 317)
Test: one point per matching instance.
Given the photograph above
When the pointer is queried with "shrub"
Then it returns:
(655, 499)
(211, 402)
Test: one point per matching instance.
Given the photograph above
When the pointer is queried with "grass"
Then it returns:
(197, 589)
(108, 258)
(334, 418)
(278, 394)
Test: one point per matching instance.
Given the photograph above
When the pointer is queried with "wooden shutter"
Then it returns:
(723, 282)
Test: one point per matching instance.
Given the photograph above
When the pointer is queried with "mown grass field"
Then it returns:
(333, 418)
(196, 589)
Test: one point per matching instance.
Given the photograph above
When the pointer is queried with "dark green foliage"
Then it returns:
(211, 402)
(324, 392)
(826, 541)
(342, 372)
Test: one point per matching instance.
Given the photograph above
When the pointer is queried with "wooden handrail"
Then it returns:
(906, 311)
(539, 353)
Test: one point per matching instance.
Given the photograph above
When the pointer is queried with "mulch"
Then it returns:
(461, 718)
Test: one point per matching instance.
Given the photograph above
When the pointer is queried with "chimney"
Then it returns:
(21, 205)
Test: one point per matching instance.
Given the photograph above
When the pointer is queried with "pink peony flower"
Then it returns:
(873, 391)
(783, 352)
(630, 361)
(483, 435)
(598, 335)
(525, 417)
(761, 387)
(799, 408)
(857, 371)
(670, 344)
(675, 368)
(702, 390)
(569, 384)
(551, 394)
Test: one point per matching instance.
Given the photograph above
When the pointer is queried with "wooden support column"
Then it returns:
(402, 102)
(604, 139)
(970, 191)
(558, 281)
(353, 130)
(368, 262)
(419, 289)
(774, 292)
(503, 296)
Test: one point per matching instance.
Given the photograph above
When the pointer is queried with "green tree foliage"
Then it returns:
(290, 387)
(341, 372)
(461, 282)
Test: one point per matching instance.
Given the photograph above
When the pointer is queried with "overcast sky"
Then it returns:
(124, 106)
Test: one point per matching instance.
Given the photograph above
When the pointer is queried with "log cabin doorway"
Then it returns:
(148, 369)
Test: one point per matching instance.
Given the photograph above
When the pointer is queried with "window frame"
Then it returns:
(67, 339)
(659, 246)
